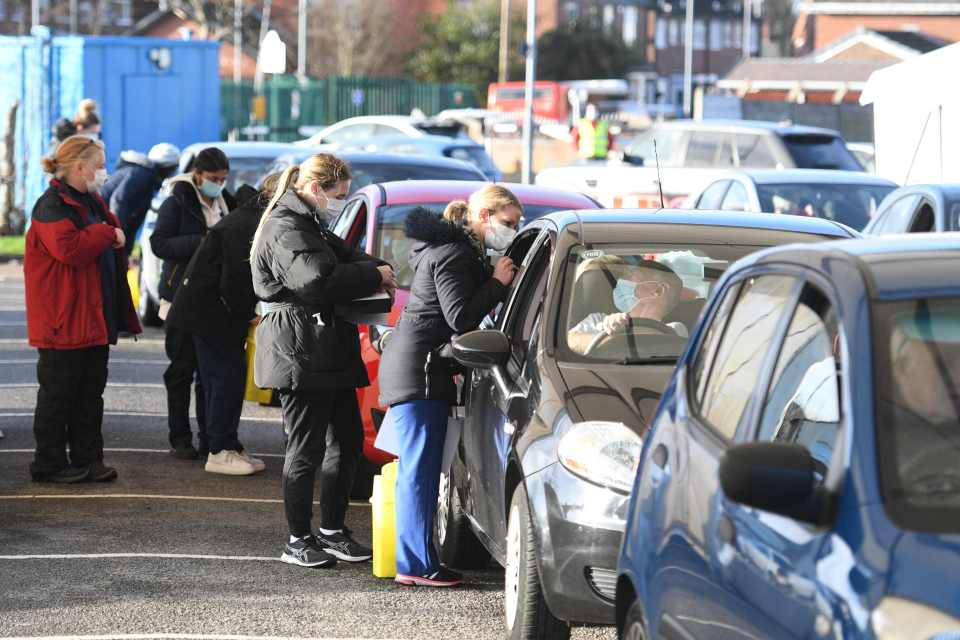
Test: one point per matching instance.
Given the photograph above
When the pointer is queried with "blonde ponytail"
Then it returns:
(287, 179)
(456, 212)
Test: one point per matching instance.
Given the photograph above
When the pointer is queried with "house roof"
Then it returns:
(901, 45)
(916, 40)
(785, 73)
(881, 7)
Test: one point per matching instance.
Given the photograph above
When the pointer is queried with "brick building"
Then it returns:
(94, 17)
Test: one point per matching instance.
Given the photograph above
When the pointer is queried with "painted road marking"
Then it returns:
(112, 361)
(149, 496)
(126, 450)
(177, 636)
(142, 414)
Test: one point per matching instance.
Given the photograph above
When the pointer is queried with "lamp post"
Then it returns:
(688, 61)
(302, 40)
(747, 20)
(528, 91)
(504, 74)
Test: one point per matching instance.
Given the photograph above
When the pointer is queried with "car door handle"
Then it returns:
(660, 456)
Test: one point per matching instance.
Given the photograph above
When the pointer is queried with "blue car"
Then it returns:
(800, 476)
(462, 149)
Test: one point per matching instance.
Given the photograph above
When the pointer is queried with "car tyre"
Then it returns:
(633, 624)
(149, 309)
(528, 617)
(457, 545)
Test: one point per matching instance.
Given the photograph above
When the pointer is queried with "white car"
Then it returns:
(851, 198)
(361, 128)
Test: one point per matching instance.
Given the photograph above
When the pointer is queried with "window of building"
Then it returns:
(674, 32)
(716, 35)
(631, 18)
(660, 38)
(123, 12)
(699, 35)
(609, 17)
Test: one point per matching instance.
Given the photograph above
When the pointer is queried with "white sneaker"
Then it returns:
(257, 463)
(229, 463)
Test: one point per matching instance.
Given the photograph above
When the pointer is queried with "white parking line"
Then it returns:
(127, 450)
(149, 496)
(176, 636)
(112, 361)
(143, 414)
(114, 385)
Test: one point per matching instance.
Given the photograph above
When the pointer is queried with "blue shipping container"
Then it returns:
(149, 90)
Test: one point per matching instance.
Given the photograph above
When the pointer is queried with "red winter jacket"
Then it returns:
(63, 287)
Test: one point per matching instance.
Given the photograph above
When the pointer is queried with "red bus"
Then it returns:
(549, 99)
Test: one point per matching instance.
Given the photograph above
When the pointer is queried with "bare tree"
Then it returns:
(353, 37)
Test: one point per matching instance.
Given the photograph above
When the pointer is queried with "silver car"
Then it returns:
(918, 209)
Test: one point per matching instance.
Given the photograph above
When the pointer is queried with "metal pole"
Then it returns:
(504, 74)
(237, 42)
(528, 93)
(747, 19)
(35, 13)
(74, 18)
(688, 62)
(302, 40)
(264, 28)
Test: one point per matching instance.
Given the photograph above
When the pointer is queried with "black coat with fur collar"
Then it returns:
(453, 289)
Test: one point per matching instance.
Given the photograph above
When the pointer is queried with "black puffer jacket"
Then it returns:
(453, 289)
(306, 270)
(216, 299)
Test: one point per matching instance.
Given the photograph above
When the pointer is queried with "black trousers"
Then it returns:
(223, 373)
(69, 408)
(178, 379)
(306, 416)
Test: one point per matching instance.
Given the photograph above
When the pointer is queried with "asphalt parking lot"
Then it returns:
(169, 551)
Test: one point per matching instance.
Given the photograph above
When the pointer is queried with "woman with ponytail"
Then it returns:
(453, 288)
(311, 357)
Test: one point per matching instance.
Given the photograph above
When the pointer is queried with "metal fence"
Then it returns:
(291, 106)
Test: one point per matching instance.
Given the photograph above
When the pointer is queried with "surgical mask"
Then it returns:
(99, 179)
(211, 189)
(625, 294)
(334, 206)
(498, 236)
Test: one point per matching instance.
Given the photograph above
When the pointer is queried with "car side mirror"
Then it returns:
(481, 349)
(632, 159)
(778, 477)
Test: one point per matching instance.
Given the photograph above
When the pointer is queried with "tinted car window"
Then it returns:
(528, 303)
(917, 349)
(803, 400)
(713, 195)
(372, 173)
(851, 204)
(736, 198)
(742, 351)
(897, 216)
(666, 148)
(754, 152)
(820, 152)
(477, 156)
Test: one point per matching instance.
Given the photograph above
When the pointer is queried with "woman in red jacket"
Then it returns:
(78, 302)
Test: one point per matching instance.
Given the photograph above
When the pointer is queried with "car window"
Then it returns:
(712, 196)
(709, 149)
(711, 340)
(952, 221)
(349, 133)
(742, 351)
(477, 156)
(367, 173)
(820, 151)
(667, 147)
(803, 400)
(392, 243)
(897, 216)
(344, 221)
(754, 152)
(525, 309)
(925, 221)
(247, 171)
(386, 130)
(736, 198)
(851, 204)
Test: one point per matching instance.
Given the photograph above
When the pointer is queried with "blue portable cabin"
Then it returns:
(149, 90)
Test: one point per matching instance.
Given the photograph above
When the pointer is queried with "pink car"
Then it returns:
(373, 220)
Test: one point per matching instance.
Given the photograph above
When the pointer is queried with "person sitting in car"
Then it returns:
(646, 291)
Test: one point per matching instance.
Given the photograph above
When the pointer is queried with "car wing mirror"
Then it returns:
(778, 477)
(629, 158)
(481, 349)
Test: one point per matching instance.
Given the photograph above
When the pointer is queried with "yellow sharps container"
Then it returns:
(133, 279)
(253, 393)
(384, 522)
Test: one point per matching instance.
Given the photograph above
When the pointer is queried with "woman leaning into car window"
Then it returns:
(78, 302)
(453, 289)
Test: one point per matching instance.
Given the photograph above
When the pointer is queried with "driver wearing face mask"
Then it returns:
(647, 292)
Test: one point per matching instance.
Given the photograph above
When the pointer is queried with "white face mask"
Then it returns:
(99, 179)
(335, 207)
(498, 236)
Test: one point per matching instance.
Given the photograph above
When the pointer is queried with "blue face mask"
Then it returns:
(211, 189)
(625, 294)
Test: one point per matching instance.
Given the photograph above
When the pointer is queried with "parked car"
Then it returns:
(799, 478)
(918, 209)
(462, 149)
(371, 168)
(364, 127)
(248, 162)
(557, 408)
(373, 220)
(691, 153)
(849, 197)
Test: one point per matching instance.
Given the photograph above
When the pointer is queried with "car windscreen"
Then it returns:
(815, 151)
(477, 156)
(393, 245)
(248, 171)
(637, 303)
(365, 173)
(917, 380)
(850, 204)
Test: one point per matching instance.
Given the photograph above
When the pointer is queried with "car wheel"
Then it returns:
(149, 309)
(457, 545)
(528, 617)
(633, 624)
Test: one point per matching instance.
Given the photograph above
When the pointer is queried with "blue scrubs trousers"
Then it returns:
(421, 427)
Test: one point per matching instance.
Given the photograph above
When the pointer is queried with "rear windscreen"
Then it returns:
(820, 152)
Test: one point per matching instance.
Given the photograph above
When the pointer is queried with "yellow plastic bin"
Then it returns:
(253, 393)
(384, 522)
(133, 279)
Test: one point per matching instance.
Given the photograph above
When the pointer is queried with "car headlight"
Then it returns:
(902, 619)
(605, 453)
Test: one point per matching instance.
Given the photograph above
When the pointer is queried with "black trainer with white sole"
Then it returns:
(306, 552)
(344, 547)
(442, 578)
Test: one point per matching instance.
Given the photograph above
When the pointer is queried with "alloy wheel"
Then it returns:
(633, 632)
(443, 508)
(512, 577)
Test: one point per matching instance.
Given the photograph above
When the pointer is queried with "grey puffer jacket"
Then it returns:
(304, 270)
(453, 289)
